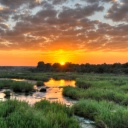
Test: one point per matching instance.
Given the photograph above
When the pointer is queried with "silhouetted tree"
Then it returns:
(84, 68)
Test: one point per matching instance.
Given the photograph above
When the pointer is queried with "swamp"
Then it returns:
(68, 100)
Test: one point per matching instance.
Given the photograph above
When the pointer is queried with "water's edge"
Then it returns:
(53, 93)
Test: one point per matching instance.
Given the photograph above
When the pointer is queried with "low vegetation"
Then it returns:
(104, 101)
(16, 114)
(96, 94)
(105, 114)
(16, 86)
(21, 87)
(83, 84)
(99, 88)
(40, 83)
(7, 93)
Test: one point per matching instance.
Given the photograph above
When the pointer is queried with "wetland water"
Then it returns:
(53, 93)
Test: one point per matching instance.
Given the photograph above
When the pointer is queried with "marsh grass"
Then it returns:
(105, 114)
(98, 94)
(21, 87)
(40, 83)
(105, 101)
(7, 93)
(16, 114)
(16, 86)
(5, 84)
(83, 84)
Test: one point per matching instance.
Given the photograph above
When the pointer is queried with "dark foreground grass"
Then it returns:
(105, 114)
(16, 86)
(16, 114)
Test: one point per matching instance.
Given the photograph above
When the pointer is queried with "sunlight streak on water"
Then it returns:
(53, 93)
(59, 83)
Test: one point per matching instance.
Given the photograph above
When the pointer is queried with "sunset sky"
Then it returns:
(77, 31)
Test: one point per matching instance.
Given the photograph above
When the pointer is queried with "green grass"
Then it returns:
(7, 93)
(40, 83)
(96, 94)
(38, 76)
(105, 100)
(16, 86)
(5, 84)
(21, 87)
(16, 114)
(83, 84)
(105, 114)
(100, 87)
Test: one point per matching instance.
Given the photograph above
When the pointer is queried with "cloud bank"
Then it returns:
(64, 24)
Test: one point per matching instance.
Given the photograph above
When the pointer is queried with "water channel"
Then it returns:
(53, 93)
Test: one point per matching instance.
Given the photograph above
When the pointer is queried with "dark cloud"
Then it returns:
(58, 1)
(14, 4)
(4, 26)
(97, 1)
(118, 11)
(55, 24)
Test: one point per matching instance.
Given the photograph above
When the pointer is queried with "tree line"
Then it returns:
(84, 68)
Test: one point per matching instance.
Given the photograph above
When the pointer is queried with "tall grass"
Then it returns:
(105, 114)
(83, 84)
(16, 114)
(98, 94)
(40, 83)
(21, 87)
(16, 86)
(5, 84)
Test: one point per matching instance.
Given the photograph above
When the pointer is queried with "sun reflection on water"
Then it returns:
(58, 83)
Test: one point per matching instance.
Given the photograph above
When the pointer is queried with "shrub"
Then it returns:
(21, 87)
(40, 83)
(83, 84)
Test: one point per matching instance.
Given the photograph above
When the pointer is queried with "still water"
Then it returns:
(53, 93)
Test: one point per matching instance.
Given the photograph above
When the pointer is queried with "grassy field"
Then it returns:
(16, 114)
(102, 98)
(38, 76)
(16, 86)
(105, 114)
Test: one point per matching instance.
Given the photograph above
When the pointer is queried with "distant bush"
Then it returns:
(7, 93)
(40, 83)
(21, 87)
(16, 86)
(82, 84)
(5, 83)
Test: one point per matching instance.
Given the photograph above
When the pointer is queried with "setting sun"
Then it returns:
(62, 63)
(53, 36)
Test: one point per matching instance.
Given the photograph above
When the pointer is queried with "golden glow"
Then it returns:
(62, 82)
(58, 83)
(31, 58)
(62, 63)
